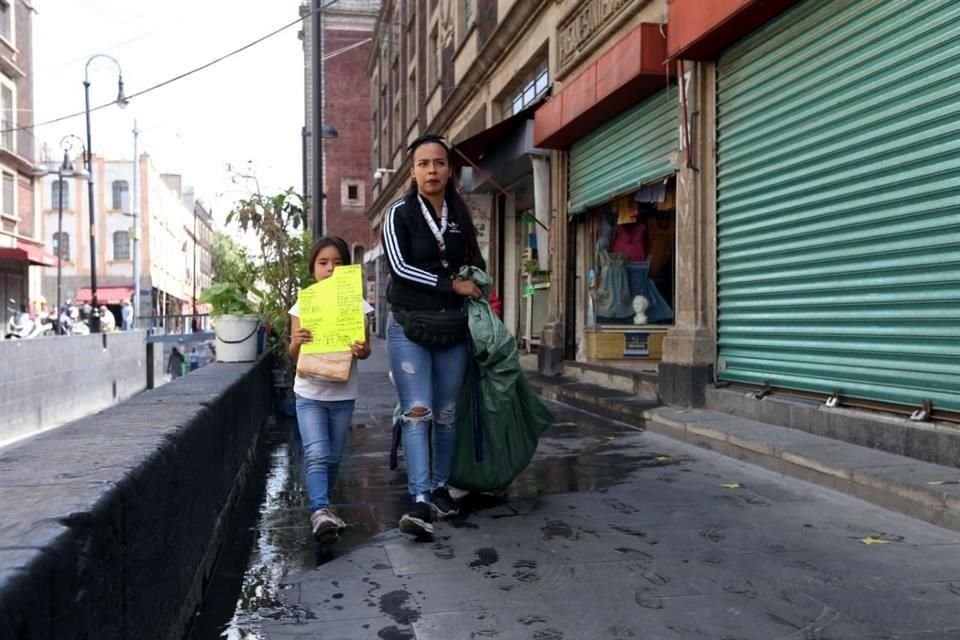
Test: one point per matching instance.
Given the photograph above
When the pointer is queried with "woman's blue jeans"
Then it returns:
(323, 428)
(427, 379)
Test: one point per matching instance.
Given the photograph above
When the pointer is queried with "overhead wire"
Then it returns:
(177, 77)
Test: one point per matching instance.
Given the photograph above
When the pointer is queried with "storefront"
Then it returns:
(620, 198)
(15, 263)
(838, 204)
(628, 233)
(506, 184)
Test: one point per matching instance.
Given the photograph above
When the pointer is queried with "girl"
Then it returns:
(428, 236)
(325, 408)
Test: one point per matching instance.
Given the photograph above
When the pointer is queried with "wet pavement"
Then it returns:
(611, 533)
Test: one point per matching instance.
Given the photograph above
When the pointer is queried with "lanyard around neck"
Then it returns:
(437, 231)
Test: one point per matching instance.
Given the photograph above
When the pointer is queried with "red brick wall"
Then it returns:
(347, 157)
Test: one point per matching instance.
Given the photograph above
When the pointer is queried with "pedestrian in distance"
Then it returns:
(126, 316)
(428, 236)
(108, 322)
(175, 363)
(325, 407)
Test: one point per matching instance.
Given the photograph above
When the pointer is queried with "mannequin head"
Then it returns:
(640, 305)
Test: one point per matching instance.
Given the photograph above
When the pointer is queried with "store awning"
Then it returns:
(701, 30)
(106, 295)
(25, 252)
(501, 153)
(477, 146)
(629, 71)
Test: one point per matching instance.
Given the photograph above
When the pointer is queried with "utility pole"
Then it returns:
(316, 197)
(135, 233)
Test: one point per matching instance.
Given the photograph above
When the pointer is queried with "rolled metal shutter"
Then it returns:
(839, 202)
(635, 148)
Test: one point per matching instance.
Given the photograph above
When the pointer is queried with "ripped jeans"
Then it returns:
(428, 383)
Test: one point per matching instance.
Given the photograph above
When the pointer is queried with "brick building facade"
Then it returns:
(347, 30)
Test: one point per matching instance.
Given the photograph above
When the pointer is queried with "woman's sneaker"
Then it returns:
(443, 505)
(326, 525)
(418, 521)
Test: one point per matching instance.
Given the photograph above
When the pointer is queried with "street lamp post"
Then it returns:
(135, 236)
(121, 102)
(64, 170)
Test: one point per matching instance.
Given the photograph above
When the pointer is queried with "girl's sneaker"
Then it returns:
(325, 525)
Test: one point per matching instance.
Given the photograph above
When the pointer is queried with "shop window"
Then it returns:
(630, 280)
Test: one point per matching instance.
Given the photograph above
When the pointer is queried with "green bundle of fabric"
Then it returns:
(499, 416)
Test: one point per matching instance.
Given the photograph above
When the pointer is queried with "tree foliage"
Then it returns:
(278, 222)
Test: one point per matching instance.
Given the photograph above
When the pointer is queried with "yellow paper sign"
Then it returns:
(332, 311)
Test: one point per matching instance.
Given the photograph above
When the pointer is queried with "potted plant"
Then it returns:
(279, 222)
(234, 313)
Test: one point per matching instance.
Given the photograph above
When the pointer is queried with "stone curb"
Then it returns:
(922, 490)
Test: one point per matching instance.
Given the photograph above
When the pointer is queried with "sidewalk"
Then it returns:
(920, 489)
(614, 533)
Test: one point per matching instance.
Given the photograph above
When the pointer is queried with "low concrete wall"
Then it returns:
(111, 524)
(45, 382)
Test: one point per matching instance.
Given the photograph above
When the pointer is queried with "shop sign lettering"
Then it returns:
(584, 23)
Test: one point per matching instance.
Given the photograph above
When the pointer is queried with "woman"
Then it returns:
(324, 407)
(428, 236)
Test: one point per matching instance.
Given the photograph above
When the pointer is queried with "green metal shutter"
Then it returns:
(838, 206)
(635, 148)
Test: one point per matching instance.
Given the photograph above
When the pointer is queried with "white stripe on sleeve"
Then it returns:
(392, 248)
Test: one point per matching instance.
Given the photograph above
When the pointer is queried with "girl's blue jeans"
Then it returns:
(430, 380)
(323, 428)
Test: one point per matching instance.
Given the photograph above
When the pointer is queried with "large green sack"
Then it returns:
(496, 393)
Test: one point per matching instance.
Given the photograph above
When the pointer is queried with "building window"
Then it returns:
(6, 20)
(121, 196)
(469, 14)
(9, 201)
(61, 245)
(351, 192)
(7, 106)
(59, 194)
(121, 245)
(529, 92)
(433, 61)
(412, 96)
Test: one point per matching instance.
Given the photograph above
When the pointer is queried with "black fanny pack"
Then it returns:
(434, 329)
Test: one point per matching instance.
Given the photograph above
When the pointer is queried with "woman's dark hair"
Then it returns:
(329, 241)
(451, 195)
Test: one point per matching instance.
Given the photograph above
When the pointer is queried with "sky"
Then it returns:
(246, 110)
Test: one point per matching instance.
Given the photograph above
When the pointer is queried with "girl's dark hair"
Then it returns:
(329, 241)
(455, 202)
